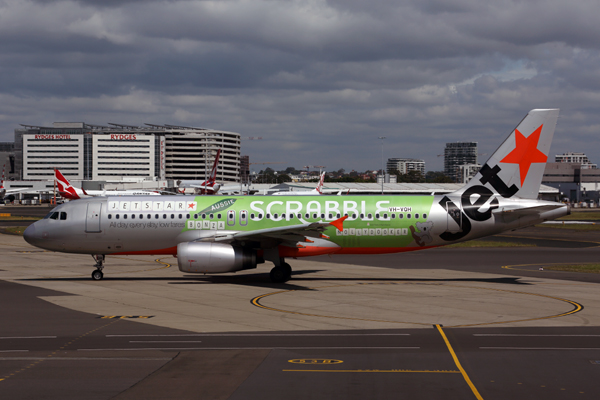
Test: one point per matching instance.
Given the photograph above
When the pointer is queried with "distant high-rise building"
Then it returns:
(405, 165)
(457, 154)
(578, 158)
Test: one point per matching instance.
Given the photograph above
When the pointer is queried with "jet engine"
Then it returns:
(214, 258)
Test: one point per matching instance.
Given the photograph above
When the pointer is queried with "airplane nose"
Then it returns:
(29, 235)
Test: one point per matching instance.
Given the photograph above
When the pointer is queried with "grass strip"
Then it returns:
(586, 268)
(581, 216)
(13, 218)
(572, 227)
(13, 230)
(489, 243)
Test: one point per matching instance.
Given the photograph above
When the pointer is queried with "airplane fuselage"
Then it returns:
(375, 224)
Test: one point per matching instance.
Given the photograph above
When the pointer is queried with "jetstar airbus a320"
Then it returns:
(226, 234)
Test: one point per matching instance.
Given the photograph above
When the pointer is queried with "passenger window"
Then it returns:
(132, 216)
(330, 216)
(299, 216)
(109, 216)
(377, 215)
(424, 215)
(252, 216)
(362, 216)
(401, 216)
(408, 216)
(417, 216)
(260, 216)
(124, 216)
(211, 216)
(322, 216)
(149, 216)
(172, 216)
(393, 216)
(218, 216)
(203, 216)
(338, 215)
(155, 216)
(164, 216)
(268, 216)
(370, 216)
(385, 216)
(195, 216)
(275, 215)
(307, 215)
(117, 216)
(141, 216)
(315, 216)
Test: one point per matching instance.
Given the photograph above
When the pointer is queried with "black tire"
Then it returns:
(288, 271)
(97, 275)
(279, 275)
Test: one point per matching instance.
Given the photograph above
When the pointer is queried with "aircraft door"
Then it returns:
(92, 220)
(243, 217)
(454, 220)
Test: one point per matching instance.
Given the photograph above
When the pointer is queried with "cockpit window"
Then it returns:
(63, 216)
(54, 215)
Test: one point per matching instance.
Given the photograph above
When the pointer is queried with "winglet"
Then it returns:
(339, 223)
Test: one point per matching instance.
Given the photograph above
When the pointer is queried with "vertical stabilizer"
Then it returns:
(213, 173)
(319, 187)
(517, 167)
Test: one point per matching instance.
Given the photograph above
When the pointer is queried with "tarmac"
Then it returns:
(458, 323)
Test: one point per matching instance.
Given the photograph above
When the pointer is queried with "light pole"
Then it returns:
(382, 173)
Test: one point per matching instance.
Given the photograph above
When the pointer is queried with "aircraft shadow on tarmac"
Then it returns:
(263, 280)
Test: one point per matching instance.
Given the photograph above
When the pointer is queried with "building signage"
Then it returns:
(122, 137)
(52, 137)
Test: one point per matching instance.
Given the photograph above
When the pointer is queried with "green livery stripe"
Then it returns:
(374, 221)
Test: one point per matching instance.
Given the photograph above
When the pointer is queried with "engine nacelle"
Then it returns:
(213, 258)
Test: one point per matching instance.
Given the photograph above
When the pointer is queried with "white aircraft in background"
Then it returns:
(315, 192)
(4, 192)
(209, 186)
(71, 192)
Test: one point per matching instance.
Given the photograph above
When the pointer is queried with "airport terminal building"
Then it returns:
(120, 152)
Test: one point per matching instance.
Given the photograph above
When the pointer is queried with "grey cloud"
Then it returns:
(320, 81)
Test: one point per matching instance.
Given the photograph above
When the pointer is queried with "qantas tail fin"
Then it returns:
(517, 167)
(66, 189)
(319, 187)
(213, 173)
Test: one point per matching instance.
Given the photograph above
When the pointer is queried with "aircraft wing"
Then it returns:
(290, 234)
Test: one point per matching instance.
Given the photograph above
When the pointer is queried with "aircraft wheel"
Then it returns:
(97, 275)
(288, 271)
(279, 275)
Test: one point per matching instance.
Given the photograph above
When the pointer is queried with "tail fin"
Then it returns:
(517, 167)
(213, 173)
(2, 181)
(319, 187)
(64, 187)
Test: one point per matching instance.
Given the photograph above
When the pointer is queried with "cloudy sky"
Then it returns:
(320, 81)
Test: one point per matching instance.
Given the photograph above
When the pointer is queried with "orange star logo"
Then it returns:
(526, 152)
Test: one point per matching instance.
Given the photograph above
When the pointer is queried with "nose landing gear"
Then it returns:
(97, 274)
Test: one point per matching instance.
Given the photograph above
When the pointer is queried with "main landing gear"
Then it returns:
(281, 273)
(97, 274)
